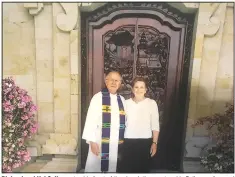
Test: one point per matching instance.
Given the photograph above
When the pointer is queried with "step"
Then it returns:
(60, 165)
(34, 167)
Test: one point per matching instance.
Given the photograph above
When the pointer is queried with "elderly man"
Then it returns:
(104, 127)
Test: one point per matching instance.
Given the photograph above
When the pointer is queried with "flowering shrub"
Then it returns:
(17, 125)
(220, 158)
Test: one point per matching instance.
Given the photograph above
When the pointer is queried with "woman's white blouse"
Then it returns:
(141, 118)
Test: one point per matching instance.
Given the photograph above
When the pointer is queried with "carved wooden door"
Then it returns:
(140, 45)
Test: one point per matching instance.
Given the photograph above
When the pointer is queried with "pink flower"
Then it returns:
(7, 106)
(4, 166)
(33, 108)
(24, 117)
(16, 165)
(9, 169)
(21, 105)
(26, 156)
(25, 133)
(9, 117)
(26, 98)
(30, 114)
(17, 105)
(20, 140)
(34, 128)
(8, 124)
(11, 97)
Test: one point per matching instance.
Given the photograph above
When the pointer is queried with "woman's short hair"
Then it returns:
(141, 79)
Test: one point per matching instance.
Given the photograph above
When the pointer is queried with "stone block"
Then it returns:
(193, 166)
(225, 69)
(74, 104)
(189, 129)
(201, 130)
(203, 96)
(45, 117)
(61, 67)
(32, 151)
(61, 138)
(224, 83)
(45, 91)
(18, 13)
(199, 44)
(41, 138)
(62, 144)
(62, 84)
(69, 148)
(74, 84)
(45, 70)
(50, 147)
(43, 23)
(75, 129)
(195, 145)
(74, 52)
(62, 99)
(196, 68)
(62, 123)
(34, 167)
(44, 49)
(35, 148)
(219, 106)
(26, 82)
(203, 110)
(193, 97)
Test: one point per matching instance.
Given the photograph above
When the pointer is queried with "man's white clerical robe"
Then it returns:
(93, 132)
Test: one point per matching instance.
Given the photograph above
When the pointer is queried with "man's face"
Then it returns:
(113, 82)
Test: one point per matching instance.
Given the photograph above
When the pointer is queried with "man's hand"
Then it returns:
(95, 148)
(153, 149)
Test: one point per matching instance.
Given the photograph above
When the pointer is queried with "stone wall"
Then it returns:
(41, 51)
(19, 47)
(212, 73)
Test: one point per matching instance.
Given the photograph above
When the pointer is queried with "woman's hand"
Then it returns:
(95, 148)
(153, 149)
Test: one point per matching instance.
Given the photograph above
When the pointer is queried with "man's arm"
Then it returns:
(89, 132)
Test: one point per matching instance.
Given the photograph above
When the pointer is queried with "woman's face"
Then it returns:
(139, 89)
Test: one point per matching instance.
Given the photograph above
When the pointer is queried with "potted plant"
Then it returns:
(219, 157)
(18, 125)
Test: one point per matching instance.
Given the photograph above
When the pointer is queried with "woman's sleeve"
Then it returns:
(154, 116)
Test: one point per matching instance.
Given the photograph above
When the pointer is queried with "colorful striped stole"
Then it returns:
(106, 123)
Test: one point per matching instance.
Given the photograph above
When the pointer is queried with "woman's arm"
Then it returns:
(155, 127)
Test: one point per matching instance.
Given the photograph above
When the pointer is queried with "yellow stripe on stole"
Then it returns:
(105, 140)
(121, 112)
(106, 108)
(120, 141)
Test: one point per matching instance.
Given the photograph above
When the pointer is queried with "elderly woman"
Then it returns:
(142, 129)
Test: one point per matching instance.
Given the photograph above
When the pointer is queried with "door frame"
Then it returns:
(132, 9)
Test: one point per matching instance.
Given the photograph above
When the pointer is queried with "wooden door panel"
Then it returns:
(98, 45)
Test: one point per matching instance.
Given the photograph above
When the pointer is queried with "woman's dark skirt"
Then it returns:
(134, 156)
